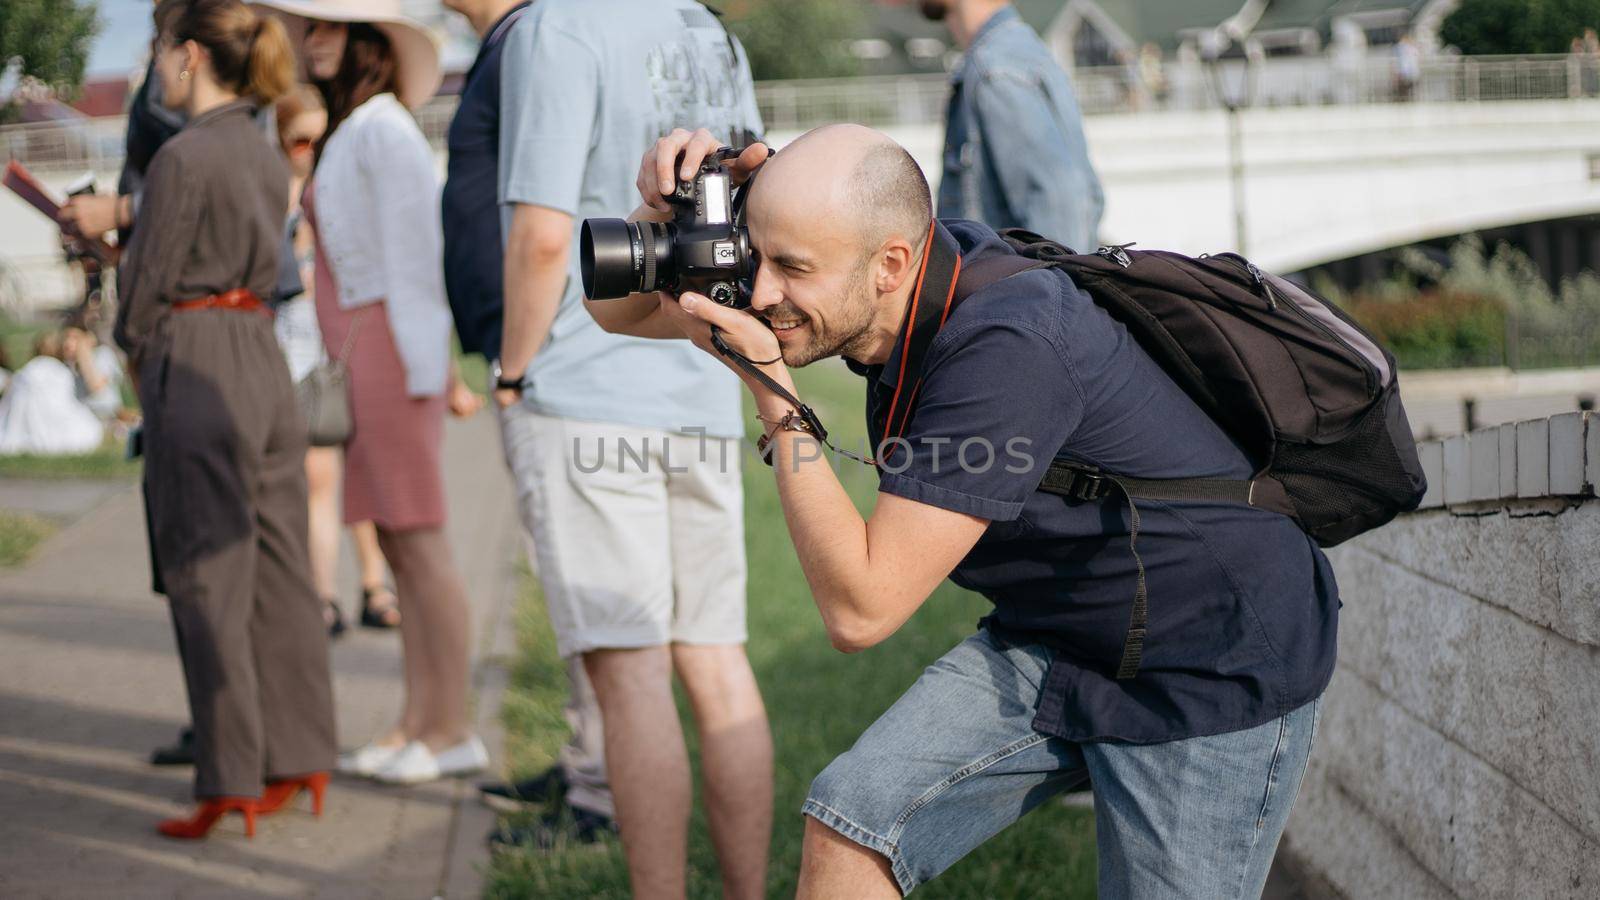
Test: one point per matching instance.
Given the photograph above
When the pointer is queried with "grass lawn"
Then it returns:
(819, 701)
(20, 533)
(107, 462)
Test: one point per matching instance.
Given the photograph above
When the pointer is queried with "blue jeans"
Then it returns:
(956, 760)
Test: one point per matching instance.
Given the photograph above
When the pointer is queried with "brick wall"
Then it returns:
(1459, 748)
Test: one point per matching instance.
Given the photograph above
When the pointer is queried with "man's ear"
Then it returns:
(896, 260)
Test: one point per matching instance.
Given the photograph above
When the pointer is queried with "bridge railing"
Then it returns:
(96, 144)
(1273, 82)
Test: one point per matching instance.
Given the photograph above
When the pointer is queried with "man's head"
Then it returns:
(838, 222)
(962, 17)
(481, 13)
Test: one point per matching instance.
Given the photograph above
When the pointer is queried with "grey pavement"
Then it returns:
(90, 682)
(62, 499)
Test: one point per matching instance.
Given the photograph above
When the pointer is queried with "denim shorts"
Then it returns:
(956, 760)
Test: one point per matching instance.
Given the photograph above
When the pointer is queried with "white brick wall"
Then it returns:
(1459, 748)
(1559, 457)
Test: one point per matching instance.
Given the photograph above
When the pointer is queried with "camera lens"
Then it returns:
(618, 258)
(606, 259)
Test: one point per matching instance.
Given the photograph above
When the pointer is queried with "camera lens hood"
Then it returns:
(605, 248)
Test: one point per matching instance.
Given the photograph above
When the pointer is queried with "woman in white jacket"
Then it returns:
(374, 204)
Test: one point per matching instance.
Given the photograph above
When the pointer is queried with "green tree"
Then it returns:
(1519, 26)
(796, 38)
(51, 37)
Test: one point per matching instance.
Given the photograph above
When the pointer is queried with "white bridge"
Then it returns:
(1328, 183)
(1319, 183)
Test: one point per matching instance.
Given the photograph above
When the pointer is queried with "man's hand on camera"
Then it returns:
(695, 314)
(661, 169)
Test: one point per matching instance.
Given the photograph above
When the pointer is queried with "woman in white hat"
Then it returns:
(373, 201)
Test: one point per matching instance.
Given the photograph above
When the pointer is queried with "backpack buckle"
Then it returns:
(1089, 486)
(1117, 253)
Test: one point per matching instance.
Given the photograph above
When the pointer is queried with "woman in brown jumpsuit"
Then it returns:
(225, 490)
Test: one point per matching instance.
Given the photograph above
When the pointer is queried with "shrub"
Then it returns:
(1482, 309)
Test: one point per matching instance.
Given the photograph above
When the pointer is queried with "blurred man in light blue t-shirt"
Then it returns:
(625, 450)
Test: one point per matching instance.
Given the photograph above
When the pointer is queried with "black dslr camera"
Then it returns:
(705, 248)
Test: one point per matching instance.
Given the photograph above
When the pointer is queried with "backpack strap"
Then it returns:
(1080, 482)
(1088, 483)
(981, 273)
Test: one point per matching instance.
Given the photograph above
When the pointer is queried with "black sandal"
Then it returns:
(335, 622)
(384, 615)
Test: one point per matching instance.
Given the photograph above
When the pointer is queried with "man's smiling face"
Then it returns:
(837, 222)
(811, 285)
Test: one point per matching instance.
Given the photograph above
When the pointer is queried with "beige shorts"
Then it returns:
(638, 533)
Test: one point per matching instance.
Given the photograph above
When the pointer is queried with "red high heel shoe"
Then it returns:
(278, 794)
(208, 814)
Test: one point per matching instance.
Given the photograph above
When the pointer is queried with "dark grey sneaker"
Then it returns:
(511, 797)
(553, 831)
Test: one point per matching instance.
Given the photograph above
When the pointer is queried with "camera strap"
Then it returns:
(806, 413)
(931, 301)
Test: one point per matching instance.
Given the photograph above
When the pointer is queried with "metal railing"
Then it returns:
(96, 144)
(1273, 82)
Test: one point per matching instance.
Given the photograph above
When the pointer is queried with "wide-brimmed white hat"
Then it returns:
(415, 50)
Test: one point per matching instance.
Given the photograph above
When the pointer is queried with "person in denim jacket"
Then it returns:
(1014, 148)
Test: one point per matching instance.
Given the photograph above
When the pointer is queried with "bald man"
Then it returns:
(1196, 759)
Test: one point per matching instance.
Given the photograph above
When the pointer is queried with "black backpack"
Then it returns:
(1310, 395)
(1307, 392)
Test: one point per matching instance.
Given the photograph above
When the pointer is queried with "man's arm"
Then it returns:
(545, 126)
(868, 576)
(537, 246)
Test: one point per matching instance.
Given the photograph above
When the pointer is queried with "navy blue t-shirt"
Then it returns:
(1243, 606)
(473, 252)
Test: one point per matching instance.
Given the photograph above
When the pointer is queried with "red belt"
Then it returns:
(241, 299)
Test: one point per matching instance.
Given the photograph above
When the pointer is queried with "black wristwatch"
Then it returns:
(502, 383)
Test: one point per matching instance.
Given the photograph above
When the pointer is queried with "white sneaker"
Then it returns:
(464, 758)
(416, 763)
(367, 760)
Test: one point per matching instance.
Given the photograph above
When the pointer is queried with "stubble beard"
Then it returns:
(849, 336)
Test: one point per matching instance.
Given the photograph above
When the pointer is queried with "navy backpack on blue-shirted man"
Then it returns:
(1310, 395)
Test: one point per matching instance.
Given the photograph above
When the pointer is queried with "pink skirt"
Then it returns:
(393, 463)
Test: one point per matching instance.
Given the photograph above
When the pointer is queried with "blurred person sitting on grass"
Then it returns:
(42, 411)
(97, 373)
